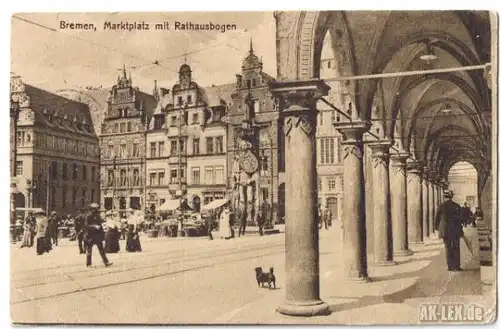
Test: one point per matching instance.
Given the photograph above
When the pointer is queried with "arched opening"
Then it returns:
(332, 207)
(196, 203)
(462, 180)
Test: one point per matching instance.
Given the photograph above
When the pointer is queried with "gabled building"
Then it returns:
(123, 146)
(57, 151)
(188, 126)
(256, 148)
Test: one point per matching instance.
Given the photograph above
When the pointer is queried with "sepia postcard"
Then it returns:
(287, 167)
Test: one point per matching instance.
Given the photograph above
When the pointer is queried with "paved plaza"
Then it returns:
(194, 280)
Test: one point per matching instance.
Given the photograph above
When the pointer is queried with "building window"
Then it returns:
(173, 176)
(331, 184)
(123, 150)
(161, 178)
(161, 149)
(64, 194)
(319, 184)
(75, 171)
(219, 144)
(122, 127)
(210, 145)
(19, 167)
(196, 146)
(173, 121)
(75, 192)
(254, 84)
(195, 171)
(135, 149)
(329, 64)
(264, 164)
(92, 195)
(152, 178)
(111, 176)
(209, 175)
(327, 150)
(65, 171)
(195, 118)
(219, 175)
(320, 115)
(339, 150)
(93, 174)
(54, 169)
(173, 147)
(115, 128)
(179, 100)
(249, 83)
(123, 177)
(182, 148)
(152, 150)
(84, 172)
(189, 99)
(129, 126)
(135, 177)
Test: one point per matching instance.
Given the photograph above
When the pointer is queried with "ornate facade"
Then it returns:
(57, 151)
(255, 152)
(123, 146)
(187, 141)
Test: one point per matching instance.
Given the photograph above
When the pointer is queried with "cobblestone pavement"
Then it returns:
(195, 280)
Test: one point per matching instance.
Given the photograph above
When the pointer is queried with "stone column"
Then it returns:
(398, 204)
(414, 208)
(427, 225)
(298, 107)
(382, 226)
(354, 221)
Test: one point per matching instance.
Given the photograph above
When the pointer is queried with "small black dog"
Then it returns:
(263, 277)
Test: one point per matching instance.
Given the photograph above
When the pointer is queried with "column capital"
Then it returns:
(352, 130)
(414, 166)
(399, 159)
(298, 97)
(380, 148)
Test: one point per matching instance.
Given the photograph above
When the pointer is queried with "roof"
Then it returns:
(58, 112)
(218, 95)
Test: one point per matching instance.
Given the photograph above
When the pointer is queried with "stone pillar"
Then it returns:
(382, 226)
(427, 225)
(354, 221)
(398, 204)
(414, 208)
(298, 107)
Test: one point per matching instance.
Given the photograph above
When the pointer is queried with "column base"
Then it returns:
(306, 308)
(417, 243)
(364, 279)
(403, 253)
(384, 263)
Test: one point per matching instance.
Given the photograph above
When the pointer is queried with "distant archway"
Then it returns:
(462, 179)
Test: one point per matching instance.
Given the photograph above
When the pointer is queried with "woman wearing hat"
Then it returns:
(133, 242)
(42, 238)
(112, 244)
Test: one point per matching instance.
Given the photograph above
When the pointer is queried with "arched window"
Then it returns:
(123, 149)
(111, 150)
(135, 149)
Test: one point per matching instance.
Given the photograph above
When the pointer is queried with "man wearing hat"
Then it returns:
(80, 230)
(450, 229)
(95, 234)
(53, 227)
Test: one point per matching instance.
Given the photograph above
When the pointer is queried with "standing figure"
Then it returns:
(224, 224)
(28, 232)
(80, 230)
(133, 242)
(53, 227)
(450, 230)
(466, 215)
(112, 244)
(210, 224)
(242, 221)
(42, 237)
(95, 234)
(478, 215)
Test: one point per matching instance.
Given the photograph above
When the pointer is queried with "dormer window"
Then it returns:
(195, 118)
(173, 121)
(249, 83)
(189, 99)
(179, 100)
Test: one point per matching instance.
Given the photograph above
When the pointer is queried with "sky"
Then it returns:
(62, 59)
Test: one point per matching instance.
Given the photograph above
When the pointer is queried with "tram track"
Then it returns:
(212, 261)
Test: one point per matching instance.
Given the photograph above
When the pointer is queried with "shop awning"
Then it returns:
(169, 205)
(215, 204)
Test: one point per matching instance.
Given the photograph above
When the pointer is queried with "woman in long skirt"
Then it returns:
(225, 225)
(112, 244)
(27, 232)
(133, 242)
(42, 239)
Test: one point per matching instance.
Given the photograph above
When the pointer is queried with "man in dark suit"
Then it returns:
(95, 234)
(80, 231)
(448, 223)
(53, 227)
